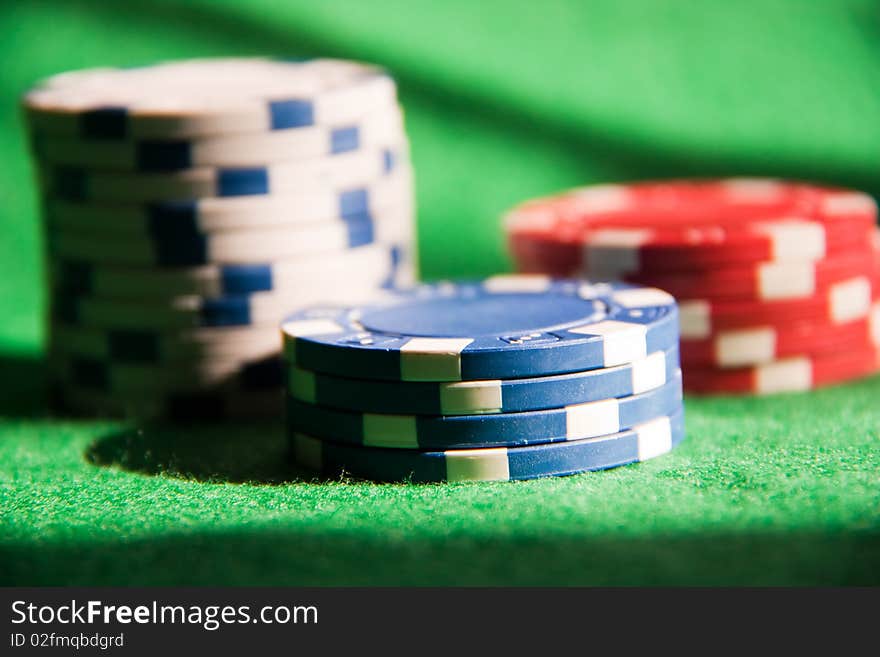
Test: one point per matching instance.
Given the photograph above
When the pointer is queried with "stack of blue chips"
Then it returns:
(512, 377)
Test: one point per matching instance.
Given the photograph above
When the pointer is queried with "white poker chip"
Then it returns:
(183, 249)
(206, 215)
(353, 169)
(381, 126)
(204, 97)
(323, 272)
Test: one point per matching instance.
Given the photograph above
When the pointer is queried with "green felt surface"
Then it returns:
(504, 101)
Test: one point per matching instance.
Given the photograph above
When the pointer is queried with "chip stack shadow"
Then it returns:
(512, 377)
(777, 282)
(189, 206)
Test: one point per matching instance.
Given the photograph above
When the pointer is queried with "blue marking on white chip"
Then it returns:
(396, 255)
(104, 123)
(173, 211)
(389, 160)
(163, 155)
(343, 140)
(164, 228)
(241, 279)
(229, 310)
(242, 181)
(360, 231)
(180, 250)
(285, 114)
(353, 201)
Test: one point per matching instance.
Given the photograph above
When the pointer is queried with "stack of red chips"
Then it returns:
(775, 280)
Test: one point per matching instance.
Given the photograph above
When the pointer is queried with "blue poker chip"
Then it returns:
(501, 328)
(478, 397)
(645, 441)
(571, 422)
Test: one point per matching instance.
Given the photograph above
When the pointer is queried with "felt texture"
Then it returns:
(504, 100)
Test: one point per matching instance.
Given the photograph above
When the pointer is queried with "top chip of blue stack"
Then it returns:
(501, 327)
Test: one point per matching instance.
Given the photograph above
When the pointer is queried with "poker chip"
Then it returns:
(190, 206)
(858, 359)
(765, 271)
(842, 302)
(426, 432)
(762, 344)
(381, 126)
(563, 259)
(483, 396)
(641, 443)
(769, 281)
(204, 97)
(257, 309)
(501, 327)
(123, 380)
(321, 273)
(354, 169)
(669, 226)
(176, 249)
(152, 347)
(207, 215)
(793, 374)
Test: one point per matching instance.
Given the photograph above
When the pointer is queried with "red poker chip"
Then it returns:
(763, 282)
(795, 374)
(765, 344)
(841, 302)
(681, 225)
(564, 259)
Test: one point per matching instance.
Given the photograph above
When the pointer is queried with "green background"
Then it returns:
(504, 100)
